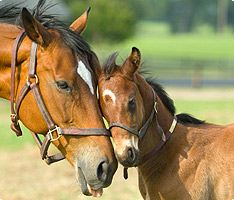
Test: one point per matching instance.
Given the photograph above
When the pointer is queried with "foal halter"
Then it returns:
(143, 130)
(32, 82)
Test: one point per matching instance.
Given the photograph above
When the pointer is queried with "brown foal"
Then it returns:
(178, 156)
(55, 91)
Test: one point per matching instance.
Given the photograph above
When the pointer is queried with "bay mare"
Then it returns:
(60, 91)
(178, 157)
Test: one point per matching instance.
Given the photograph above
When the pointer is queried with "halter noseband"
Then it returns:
(32, 83)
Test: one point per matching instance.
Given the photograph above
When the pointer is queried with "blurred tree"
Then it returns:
(181, 15)
(231, 14)
(222, 15)
(109, 20)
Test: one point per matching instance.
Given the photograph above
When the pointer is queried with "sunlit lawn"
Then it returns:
(156, 42)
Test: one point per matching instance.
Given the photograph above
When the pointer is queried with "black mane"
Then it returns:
(110, 66)
(167, 101)
(183, 118)
(11, 14)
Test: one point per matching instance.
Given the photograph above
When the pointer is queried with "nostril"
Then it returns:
(102, 171)
(131, 155)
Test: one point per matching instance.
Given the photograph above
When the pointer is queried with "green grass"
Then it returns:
(155, 42)
(212, 111)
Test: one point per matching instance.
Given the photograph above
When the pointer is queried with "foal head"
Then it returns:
(123, 99)
(66, 68)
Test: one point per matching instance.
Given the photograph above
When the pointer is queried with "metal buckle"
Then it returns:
(34, 76)
(13, 115)
(59, 132)
(15, 119)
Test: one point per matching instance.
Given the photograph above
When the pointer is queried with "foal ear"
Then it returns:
(34, 29)
(80, 23)
(132, 63)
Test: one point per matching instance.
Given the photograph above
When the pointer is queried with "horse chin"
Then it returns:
(86, 188)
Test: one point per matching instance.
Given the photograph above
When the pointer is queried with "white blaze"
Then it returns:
(110, 94)
(85, 75)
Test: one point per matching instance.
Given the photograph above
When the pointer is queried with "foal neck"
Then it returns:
(164, 119)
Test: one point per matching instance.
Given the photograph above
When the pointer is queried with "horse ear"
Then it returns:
(80, 23)
(34, 29)
(132, 63)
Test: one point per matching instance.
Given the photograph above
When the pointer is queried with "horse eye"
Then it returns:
(132, 104)
(63, 85)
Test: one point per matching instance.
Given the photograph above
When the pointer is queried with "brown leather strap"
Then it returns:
(44, 146)
(22, 94)
(86, 132)
(33, 56)
(14, 118)
(49, 159)
(41, 106)
(155, 149)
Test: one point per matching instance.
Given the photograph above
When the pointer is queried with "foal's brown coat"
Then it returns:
(198, 160)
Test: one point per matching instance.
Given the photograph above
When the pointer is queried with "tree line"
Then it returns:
(116, 20)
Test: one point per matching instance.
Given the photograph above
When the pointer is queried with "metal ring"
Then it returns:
(34, 76)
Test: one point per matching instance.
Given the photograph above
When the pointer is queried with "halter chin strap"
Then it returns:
(54, 132)
(143, 130)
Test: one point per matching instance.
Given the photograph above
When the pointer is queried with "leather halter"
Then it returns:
(143, 130)
(32, 82)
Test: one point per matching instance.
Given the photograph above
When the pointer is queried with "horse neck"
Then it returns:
(164, 117)
(7, 38)
(152, 138)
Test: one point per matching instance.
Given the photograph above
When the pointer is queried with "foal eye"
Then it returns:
(63, 85)
(132, 104)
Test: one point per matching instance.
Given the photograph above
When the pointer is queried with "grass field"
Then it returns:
(24, 176)
(155, 42)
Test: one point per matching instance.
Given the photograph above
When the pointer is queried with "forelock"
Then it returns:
(110, 65)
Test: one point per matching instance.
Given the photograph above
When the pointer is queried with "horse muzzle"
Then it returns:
(94, 175)
(129, 157)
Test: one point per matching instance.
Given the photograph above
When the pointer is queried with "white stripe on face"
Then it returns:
(85, 75)
(110, 94)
